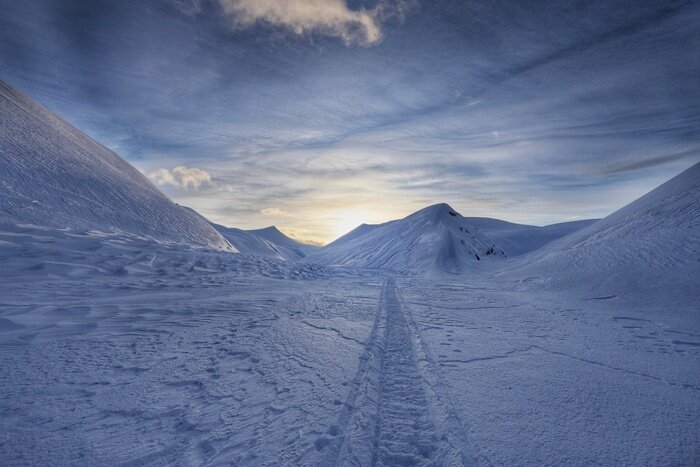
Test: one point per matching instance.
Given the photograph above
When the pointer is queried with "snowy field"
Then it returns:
(223, 369)
(207, 368)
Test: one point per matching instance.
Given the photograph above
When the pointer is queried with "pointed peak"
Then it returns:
(437, 210)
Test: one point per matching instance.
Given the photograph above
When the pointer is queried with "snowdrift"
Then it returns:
(652, 245)
(53, 175)
(436, 238)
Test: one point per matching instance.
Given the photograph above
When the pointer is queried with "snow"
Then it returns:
(274, 235)
(141, 340)
(217, 368)
(518, 239)
(649, 248)
(268, 243)
(53, 175)
(436, 238)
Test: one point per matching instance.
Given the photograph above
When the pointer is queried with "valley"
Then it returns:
(134, 331)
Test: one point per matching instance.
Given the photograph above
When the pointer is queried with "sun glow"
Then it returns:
(346, 221)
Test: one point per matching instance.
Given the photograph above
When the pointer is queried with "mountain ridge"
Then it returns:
(53, 175)
(267, 242)
(651, 243)
(433, 239)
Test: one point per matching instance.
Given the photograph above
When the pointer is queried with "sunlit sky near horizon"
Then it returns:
(319, 115)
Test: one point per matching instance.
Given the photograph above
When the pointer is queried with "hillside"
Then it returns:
(436, 238)
(650, 246)
(268, 242)
(518, 239)
(53, 175)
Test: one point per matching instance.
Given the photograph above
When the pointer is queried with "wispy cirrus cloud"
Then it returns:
(185, 178)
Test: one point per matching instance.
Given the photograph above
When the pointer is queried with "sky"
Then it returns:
(319, 115)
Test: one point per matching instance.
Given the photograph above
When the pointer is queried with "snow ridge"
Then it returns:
(268, 242)
(652, 245)
(53, 175)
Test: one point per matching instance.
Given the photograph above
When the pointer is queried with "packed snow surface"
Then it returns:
(219, 368)
(129, 337)
(53, 175)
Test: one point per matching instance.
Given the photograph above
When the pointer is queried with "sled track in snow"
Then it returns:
(393, 414)
(405, 433)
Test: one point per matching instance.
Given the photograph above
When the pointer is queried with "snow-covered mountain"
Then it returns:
(53, 175)
(518, 239)
(650, 245)
(436, 238)
(268, 242)
(274, 235)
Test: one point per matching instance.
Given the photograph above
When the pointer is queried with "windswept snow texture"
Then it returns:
(268, 242)
(518, 239)
(436, 238)
(212, 368)
(652, 245)
(43, 253)
(53, 175)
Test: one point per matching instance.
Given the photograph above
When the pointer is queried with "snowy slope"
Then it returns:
(268, 243)
(650, 246)
(53, 175)
(436, 238)
(274, 235)
(518, 239)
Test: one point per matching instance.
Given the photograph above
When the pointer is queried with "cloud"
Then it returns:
(581, 100)
(653, 161)
(275, 212)
(186, 178)
(329, 17)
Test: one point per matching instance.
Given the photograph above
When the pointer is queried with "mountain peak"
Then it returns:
(271, 229)
(436, 238)
(436, 210)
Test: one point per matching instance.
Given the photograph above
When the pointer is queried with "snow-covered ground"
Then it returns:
(177, 369)
(131, 333)
(220, 369)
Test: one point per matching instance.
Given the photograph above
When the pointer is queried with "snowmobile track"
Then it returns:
(392, 415)
(405, 433)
